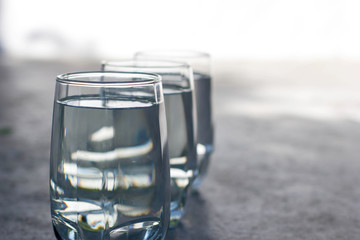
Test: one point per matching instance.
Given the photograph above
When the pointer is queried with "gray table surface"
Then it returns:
(285, 166)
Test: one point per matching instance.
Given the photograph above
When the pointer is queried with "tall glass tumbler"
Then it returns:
(200, 62)
(109, 167)
(180, 107)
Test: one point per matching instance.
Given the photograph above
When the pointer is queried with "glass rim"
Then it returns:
(171, 53)
(146, 78)
(157, 63)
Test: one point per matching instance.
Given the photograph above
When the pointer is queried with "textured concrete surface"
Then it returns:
(285, 167)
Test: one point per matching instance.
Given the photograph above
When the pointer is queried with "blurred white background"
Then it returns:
(241, 29)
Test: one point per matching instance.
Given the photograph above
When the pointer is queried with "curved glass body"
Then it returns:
(181, 121)
(200, 63)
(109, 171)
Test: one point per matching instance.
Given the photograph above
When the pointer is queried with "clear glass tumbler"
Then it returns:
(200, 63)
(109, 167)
(177, 80)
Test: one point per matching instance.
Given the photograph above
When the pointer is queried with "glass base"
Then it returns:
(141, 230)
(203, 156)
(147, 230)
(175, 218)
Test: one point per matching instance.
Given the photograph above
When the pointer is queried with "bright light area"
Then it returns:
(257, 29)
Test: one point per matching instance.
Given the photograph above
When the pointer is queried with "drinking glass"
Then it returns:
(177, 80)
(200, 63)
(109, 170)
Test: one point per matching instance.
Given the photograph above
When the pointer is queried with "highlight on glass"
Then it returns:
(109, 167)
(200, 63)
(177, 80)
